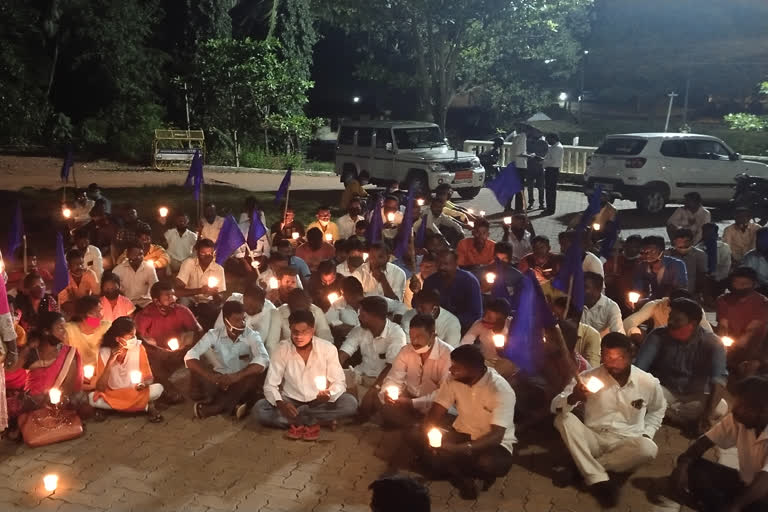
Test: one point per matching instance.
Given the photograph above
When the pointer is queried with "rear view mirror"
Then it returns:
(389, 147)
(734, 156)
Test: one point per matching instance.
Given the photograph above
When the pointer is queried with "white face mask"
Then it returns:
(132, 342)
(236, 330)
(422, 350)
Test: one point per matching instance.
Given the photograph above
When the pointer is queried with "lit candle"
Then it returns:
(163, 211)
(727, 341)
(333, 297)
(470, 211)
(596, 226)
(390, 217)
(365, 256)
(135, 376)
(173, 344)
(393, 392)
(435, 438)
(50, 482)
(273, 283)
(490, 278)
(507, 220)
(634, 297)
(420, 202)
(255, 264)
(295, 235)
(471, 223)
(321, 382)
(151, 263)
(213, 282)
(482, 213)
(88, 371)
(594, 385)
(499, 340)
(66, 212)
(54, 395)
(328, 237)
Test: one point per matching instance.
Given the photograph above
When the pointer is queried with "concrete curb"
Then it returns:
(300, 172)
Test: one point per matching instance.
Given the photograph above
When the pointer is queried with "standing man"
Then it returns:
(519, 152)
(459, 290)
(538, 148)
(552, 164)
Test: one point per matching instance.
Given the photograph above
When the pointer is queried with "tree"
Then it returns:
(443, 48)
(749, 122)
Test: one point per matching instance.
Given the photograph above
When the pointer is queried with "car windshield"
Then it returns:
(411, 138)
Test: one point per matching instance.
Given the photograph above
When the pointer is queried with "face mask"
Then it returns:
(112, 295)
(205, 260)
(740, 293)
(236, 330)
(37, 292)
(682, 333)
(131, 342)
(355, 261)
(354, 212)
(422, 350)
(324, 222)
(92, 321)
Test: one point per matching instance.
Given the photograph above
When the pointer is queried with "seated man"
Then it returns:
(287, 250)
(200, 283)
(233, 373)
(154, 254)
(479, 443)
(180, 242)
(355, 250)
(258, 309)
(391, 217)
(82, 281)
(692, 216)
(495, 321)
(325, 225)
(378, 276)
(379, 342)
(459, 290)
(600, 312)
(741, 315)
(504, 272)
(712, 486)
(92, 257)
(620, 419)
(113, 303)
(305, 384)
(741, 235)
(478, 250)
(695, 259)
(447, 326)
(656, 274)
(657, 311)
(719, 260)
(590, 262)
(438, 222)
(211, 223)
(315, 249)
(279, 328)
(347, 222)
(690, 364)
(287, 278)
(419, 370)
(427, 267)
(518, 234)
(323, 282)
(587, 342)
(544, 263)
(136, 275)
(285, 228)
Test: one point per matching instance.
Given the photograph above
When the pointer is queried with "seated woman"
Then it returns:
(123, 378)
(33, 300)
(85, 331)
(15, 374)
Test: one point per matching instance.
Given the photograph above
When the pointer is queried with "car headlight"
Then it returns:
(437, 167)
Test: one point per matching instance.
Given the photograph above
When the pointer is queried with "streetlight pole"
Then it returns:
(672, 97)
(581, 84)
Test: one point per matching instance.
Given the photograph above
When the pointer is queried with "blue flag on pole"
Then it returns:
(60, 271)
(506, 184)
(16, 234)
(230, 239)
(195, 174)
(609, 240)
(406, 227)
(421, 234)
(593, 207)
(571, 268)
(66, 166)
(256, 229)
(284, 186)
(376, 224)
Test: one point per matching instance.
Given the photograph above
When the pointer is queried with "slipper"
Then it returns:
(196, 410)
(241, 411)
(99, 417)
(311, 433)
(295, 433)
(156, 418)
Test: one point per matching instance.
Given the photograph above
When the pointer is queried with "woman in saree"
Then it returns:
(123, 378)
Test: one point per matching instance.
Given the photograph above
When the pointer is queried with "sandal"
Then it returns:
(295, 433)
(154, 415)
(196, 410)
(99, 416)
(311, 433)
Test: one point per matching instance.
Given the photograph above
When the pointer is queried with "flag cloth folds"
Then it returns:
(16, 234)
(526, 330)
(609, 240)
(403, 238)
(256, 230)
(421, 234)
(60, 271)
(66, 166)
(230, 239)
(506, 184)
(195, 174)
(284, 186)
(593, 207)
(376, 224)
(572, 270)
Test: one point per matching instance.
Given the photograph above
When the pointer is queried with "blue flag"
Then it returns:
(16, 234)
(609, 240)
(230, 239)
(506, 184)
(195, 174)
(710, 247)
(256, 229)
(525, 332)
(66, 166)
(284, 186)
(421, 234)
(593, 207)
(499, 289)
(406, 227)
(60, 271)
(572, 271)
(376, 224)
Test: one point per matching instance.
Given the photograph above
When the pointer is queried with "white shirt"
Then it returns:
(193, 276)
(268, 274)
(447, 326)
(180, 246)
(604, 316)
(347, 224)
(684, 218)
(388, 232)
(395, 277)
(227, 356)
(592, 263)
(480, 332)
(280, 329)
(377, 351)
(723, 266)
(520, 247)
(343, 269)
(342, 313)
(296, 379)
(658, 311)
(420, 379)
(740, 242)
(92, 260)
(630, 411)
(554, 156)
(258, 322)
(263, 245)
(752, 449)
(491, 401)
(135, 284)
(520, 147)
(435, 223)
(211, 230)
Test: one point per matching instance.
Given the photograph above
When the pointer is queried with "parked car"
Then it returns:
(654, 169)
(414, 154)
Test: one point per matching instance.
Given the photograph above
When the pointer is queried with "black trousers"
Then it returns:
(535, 179)
(247, 391)
(714, 486)
(551, 176)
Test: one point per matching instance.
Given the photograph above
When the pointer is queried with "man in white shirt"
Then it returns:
(379, 277)
(92, 257)
(391, 217)
(418, 371)
(552, 164)
(233, 371)
(658, 312)
(210, 224)
(200, 283)
(589, 262)
(713, 486)
(379, 341)
(479, 444)
(437, 220)
(279, 326)
(620, 419)
(519, 234)
(258, 309)
(136, 275)
(427, 267)
(600, 312)
(741, 235)
(495, 322)
(181, 241)
(723, 260)
(347, 222)
(447, 326)
(354, 261)
(692, 215)
(305, 384)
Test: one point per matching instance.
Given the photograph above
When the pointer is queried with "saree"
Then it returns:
(121, 394)
(41, 379)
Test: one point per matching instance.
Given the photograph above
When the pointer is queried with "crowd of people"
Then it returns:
(320, 326)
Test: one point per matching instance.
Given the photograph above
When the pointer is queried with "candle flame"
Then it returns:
(390, 217)
(507, 220)
(66, 212)
(135, 376)
(634, 297)
(173, 344)
(163, 211)
(471, 223)
(54, 394)
(490, 278)
(499, 340)
(594, 384)
(420, 202)
(333, 297)
(596, 226)
(727, 341)
(88, 371)
(321, 382)
(295, 235)
(328, 237)
(273, 283)
(482, 213)
(50, 482)
(213, 282)
(393, 392)
(435, 438)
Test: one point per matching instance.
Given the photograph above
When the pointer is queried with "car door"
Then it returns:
(383, 158)
(711, 173)
(675, 168)
(363, 152)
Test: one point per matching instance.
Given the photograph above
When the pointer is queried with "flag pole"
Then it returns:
(285, 209)
(24, 239)
(570, 293)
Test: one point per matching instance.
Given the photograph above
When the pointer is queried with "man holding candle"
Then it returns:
(518, 233)
(154, 254)
(354, 261)
(82, 281)
(656, 272)
(620, 418)
(200, 282)
(447, 326)
(292, 397)
(325, 281)
(279, 327)
(495, 322)
(379, 277)
(286, 227)
(315, 249)
(600, 312)
(478, 250)
(180, 241)
(459, 290)
(501, 278)
(427, 267)
(136, 275)
(325, 225)
(347, 222)
(657, 311)
(391, 216)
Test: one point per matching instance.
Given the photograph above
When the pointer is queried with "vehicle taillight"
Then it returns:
(634, 163)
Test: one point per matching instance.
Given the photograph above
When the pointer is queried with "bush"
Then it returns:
(257, 158)
(747, 122)
(133, 141)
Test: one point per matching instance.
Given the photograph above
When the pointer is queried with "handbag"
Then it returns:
(50, 425)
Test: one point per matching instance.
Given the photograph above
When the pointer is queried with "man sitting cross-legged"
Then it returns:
(305, 384)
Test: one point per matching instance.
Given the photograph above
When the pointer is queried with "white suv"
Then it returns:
(412, 153)
(657, 168)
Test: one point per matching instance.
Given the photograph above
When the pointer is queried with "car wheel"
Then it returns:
(468, 193)
(652, 202)
(417, 182)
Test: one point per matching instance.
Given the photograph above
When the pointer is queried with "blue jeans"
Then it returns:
(309, 413)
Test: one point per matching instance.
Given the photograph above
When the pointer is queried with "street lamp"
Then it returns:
(356, 99)
(563, 96)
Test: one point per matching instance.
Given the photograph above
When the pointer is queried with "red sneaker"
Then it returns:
(312, 433)
(295, 433)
